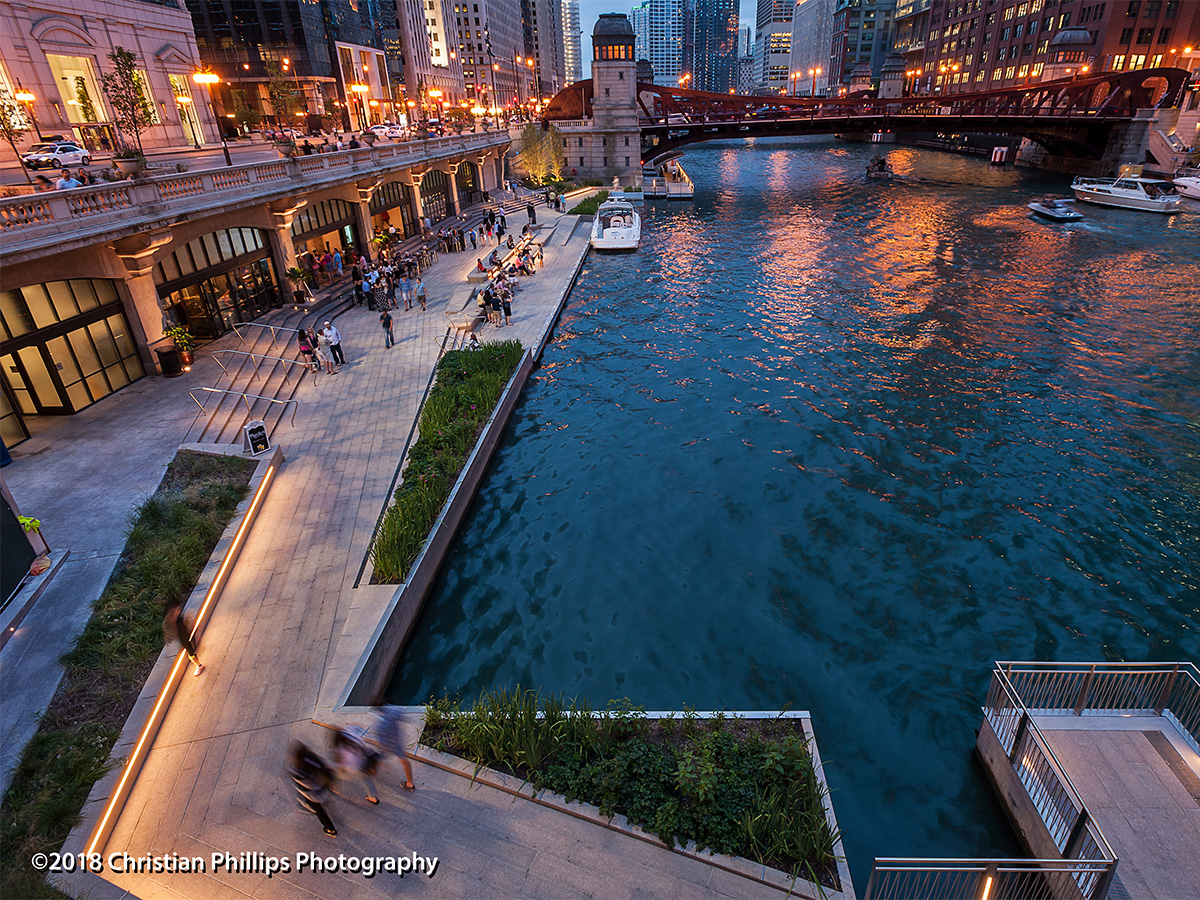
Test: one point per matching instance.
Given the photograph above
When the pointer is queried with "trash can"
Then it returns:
(169, 362)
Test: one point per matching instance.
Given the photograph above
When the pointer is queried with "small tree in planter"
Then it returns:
(13, 124)
(183, 343)
(301, 280)
(126, 92)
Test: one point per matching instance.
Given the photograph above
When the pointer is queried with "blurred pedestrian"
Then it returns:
(387, 734)
(313, 779)
(175, 623)
(352, 757)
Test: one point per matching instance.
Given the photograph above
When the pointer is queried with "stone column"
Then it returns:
(452, 186)
(283, 249)
(137, 253)
(414, 181)
(362, 209)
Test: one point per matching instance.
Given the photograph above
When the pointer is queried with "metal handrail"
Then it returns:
(974, 879)
(258, 325)
(256, 357)
(246, 398)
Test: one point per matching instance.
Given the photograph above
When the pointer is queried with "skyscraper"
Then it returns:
(713, 45)
(812, 46)
(491, 40)
(745, 41)
(541, 23)
(572, 52)
(658, 27)
(773, 44)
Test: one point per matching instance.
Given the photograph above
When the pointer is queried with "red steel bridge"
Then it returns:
(1071, 117)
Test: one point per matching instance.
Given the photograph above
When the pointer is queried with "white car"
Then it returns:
(56, 155)
(395, 132)
(380, 130)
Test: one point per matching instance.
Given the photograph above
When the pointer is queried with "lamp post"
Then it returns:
(359, 90)
(519, 73)
(185, 112)
(27, 98)
(814, 73)
(208, 79)
(287, 66)
(437, 98)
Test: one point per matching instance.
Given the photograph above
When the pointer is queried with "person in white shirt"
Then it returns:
(66, 181)
(335, 343)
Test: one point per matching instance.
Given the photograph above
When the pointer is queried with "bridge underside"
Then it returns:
(1086, 140)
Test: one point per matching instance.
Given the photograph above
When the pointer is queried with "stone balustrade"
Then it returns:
(33, 224)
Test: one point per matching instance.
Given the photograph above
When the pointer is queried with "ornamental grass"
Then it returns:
(467, 387)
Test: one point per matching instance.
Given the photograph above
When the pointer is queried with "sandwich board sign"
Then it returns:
(255, 440)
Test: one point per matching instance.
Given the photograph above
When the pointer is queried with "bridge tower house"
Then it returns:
(615, 137)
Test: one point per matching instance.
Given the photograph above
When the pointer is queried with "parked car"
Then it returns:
(57, 155)
(395, 132)
(380, 130)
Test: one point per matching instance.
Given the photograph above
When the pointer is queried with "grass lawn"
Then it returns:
(170, 538)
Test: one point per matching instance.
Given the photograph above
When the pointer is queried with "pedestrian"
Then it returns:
(66, 181)
(337, 262)
(531, 211)
(306, 348)
(420, 291)
(313, 779)
(352, 757)
(175, 623)
(42, 184)
(327, 265)
(474, 239)
(385, 319)
(507, 307)
(324, 353)
(494, 312)
(406, 286)
(335, 343)
(387, 735)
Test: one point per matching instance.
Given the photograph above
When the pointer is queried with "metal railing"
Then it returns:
(1170, 690)
(246, 398)
(255, 357)
(273, 329)
(975, 879)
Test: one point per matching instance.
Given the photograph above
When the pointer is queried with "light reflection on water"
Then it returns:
(834, 445)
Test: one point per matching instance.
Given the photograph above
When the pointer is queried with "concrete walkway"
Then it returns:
(214, 781)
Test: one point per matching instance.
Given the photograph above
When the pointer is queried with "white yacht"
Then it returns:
(1128, 192)
(1188, 187)
(1055, 208)
(617, 226)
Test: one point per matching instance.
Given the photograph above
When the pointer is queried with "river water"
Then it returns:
(836, 445)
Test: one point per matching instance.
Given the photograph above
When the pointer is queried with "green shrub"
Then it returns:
(466, 389)
(589, 206)
(742, 787)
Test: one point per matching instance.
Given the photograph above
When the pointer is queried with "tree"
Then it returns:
(13, 124)
(126, 92)
(532, 150)
(554, 153)
(244, 114)
(279, 92)
(87, 109)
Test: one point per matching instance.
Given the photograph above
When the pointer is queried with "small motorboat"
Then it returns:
(1055, 208)
(1188, 187)
(879, 167)
(617, 226)
(1128, 192)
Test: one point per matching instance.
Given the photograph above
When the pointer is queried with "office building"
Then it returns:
(812, 47)
(541, 26)
(713, 45)
(491, 46)
(982, 46)
(862, 36)
(572, 50)
(658, 27)
(745, 41)
(773, 44)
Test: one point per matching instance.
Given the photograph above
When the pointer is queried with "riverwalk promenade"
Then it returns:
(215, 781)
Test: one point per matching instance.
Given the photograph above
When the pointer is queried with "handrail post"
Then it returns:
(1100, 892)
(1085, 688)
(1071, 848)
(987, 878)
(1018, 736)
(1165, 694)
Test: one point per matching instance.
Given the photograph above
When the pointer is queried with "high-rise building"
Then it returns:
(658, 28)
(773, 44)
(862, 35)
(572, 52)
(812, 47)
(541, 26)
(713, 54)
(745, 41)
(491, 46)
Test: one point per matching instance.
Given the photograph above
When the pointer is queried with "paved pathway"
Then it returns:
(214, 781)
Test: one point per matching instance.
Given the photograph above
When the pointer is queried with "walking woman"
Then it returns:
(325, 352)
(306, 347)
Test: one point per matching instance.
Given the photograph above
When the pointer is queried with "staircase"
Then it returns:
(257, 376)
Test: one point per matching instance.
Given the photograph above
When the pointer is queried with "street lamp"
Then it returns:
(437, 98)
(287, 63)
(208, 79)
(794, 76)
(814, 73)
(27, 98)
(360, 90)
(185, 112)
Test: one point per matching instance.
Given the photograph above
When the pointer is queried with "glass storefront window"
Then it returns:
(78, 88)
